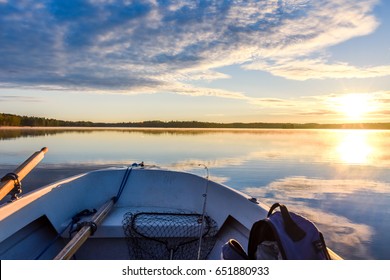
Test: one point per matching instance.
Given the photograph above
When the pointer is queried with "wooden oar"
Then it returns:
(333, 255)
(22, 171)
(82, 235)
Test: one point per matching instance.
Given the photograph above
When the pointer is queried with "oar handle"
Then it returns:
(22, 171)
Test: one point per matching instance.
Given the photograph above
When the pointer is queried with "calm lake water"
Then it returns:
(338, 178)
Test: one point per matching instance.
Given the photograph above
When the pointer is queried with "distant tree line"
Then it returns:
(15, 120)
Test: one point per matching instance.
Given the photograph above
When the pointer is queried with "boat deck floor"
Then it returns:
(110, 241)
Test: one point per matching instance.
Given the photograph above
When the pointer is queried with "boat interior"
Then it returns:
(156, 214)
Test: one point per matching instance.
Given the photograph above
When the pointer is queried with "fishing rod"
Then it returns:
(203, 210)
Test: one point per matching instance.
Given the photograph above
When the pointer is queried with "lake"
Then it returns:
(340, 179)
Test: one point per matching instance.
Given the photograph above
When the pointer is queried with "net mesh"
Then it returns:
(164, 236)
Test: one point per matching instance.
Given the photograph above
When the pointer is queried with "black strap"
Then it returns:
(86, 212)
(75, 225)
(17, 190)
(10, 176)
(292, 229)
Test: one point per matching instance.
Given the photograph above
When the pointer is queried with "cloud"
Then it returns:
(150, 46)
(304, 69)
(272, 102)
(19, 98)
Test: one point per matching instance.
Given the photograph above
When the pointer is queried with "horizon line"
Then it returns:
(12, 120)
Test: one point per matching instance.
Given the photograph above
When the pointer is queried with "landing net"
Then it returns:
(164, 236)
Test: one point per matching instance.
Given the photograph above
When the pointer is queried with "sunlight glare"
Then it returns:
(354, 106)
(354, 148)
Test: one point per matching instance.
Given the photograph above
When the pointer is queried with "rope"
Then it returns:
(125, 178)
(123, 183)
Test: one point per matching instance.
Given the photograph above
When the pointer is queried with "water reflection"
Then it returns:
(25, 132)
(346, 146)
(354, 147)
(338, 178)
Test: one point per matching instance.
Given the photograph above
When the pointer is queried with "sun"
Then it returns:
(354, 106)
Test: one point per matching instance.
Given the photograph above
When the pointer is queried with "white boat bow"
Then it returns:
(155, 214)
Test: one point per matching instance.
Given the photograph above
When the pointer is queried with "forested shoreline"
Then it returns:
(7, 120)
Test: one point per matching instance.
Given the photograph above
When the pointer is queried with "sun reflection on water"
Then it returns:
(355, 148)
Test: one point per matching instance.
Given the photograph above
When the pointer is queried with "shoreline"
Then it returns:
(75, 128)
(10, 121)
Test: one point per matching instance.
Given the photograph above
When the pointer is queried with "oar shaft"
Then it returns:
(22, 171)
(82, 235)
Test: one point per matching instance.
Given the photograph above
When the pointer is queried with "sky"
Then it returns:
(325, 61)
